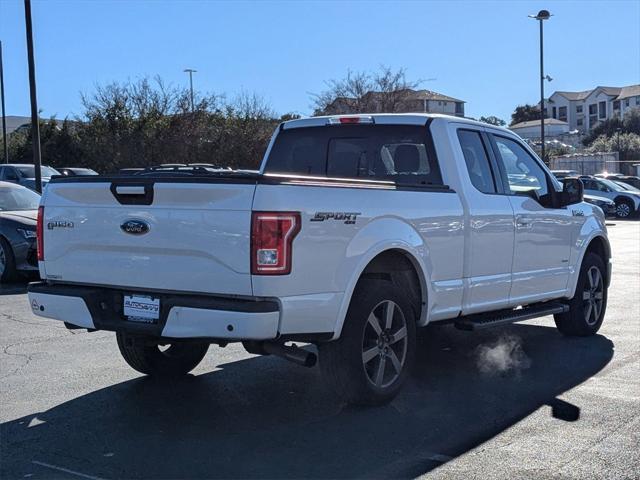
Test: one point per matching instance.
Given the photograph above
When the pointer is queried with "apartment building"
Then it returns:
(584, 110)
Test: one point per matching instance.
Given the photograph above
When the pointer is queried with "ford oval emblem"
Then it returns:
(135, 227)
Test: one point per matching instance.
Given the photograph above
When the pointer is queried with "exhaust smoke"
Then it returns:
(503, 355)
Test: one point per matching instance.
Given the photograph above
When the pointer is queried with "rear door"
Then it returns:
(543, 234)
(185, 235)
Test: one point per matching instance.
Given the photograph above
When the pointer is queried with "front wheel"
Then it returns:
(370, 361)
(624, 208)
(7, 262)
(588, 305)
(167, 361)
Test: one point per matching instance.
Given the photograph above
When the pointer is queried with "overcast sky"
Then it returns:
(485, 53)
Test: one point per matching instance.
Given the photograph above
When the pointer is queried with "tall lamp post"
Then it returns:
(191, 71)
(541, 17)
(4, 114)
(35, 126)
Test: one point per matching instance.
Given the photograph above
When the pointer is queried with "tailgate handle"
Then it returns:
(128, 190)
(133, 194)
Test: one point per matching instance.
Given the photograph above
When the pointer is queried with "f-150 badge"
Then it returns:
(348, 217)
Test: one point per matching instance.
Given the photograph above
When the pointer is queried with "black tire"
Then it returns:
(586, 309)
(178, 359)
(8, 271)
(343, 361)
(624, 208)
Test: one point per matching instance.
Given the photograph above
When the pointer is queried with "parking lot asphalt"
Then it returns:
(514, 402)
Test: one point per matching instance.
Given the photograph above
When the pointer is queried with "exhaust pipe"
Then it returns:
(293, 354)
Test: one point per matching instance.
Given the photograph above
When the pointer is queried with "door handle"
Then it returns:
(523, 222)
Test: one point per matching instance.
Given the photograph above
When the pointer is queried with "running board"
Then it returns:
(503, 317)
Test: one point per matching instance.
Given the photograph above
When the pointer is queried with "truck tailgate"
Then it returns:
(181, 236)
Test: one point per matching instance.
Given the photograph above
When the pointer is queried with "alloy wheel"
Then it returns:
(3, 260)
(384, 344)
(593, 295)
(623, 210)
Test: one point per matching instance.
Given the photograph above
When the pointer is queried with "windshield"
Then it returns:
(612, 185)
(29, 171)
(626, 186)
(17, 198)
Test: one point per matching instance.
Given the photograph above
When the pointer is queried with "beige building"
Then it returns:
(584, 110)
(402, 101)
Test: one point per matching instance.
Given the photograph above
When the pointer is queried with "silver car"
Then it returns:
(25, 174)
(627, 201)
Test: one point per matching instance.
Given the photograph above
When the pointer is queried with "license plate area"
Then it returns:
(141, 308)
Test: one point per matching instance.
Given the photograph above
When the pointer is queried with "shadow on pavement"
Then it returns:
(13, 288)
(262, 417)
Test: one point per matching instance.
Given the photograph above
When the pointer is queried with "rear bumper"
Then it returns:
(181, 316)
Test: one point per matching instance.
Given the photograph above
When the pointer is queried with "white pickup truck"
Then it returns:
(355, 231)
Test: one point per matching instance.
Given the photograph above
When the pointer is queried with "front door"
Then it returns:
(543, 235)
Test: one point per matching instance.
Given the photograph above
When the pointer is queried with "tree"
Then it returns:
(610, 127)
(492, 120)
(146, 122)
(525, 113)
(626, 144)
(385, 90)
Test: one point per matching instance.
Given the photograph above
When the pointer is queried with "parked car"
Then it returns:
(627, 201)
(18, 212)
(356, 230)
(607, 206)
(73, 171)
(25, 174)
(560, 174)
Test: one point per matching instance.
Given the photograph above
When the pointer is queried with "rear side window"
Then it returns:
(475, 156)
(399, 153)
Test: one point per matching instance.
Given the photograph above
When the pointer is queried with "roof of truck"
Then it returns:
(379, 118)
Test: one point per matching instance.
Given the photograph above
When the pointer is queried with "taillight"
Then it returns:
(272, 234)
(39, 234)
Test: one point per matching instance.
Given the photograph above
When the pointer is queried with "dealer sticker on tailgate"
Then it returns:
(140, 308)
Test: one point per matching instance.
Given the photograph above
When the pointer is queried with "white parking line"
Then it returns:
(66, 470)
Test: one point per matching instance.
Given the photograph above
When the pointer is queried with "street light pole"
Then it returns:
(4, 116)
(191, 71)
(541, 17)
(35, 126)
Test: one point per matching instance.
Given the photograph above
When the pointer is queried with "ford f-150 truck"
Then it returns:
(356, 231)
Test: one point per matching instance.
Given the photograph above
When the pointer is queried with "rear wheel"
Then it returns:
(7, 262)
(370, 361)
(588, 305)
(624, 208)
(167, 361)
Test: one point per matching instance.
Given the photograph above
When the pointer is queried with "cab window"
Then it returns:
(524, 174)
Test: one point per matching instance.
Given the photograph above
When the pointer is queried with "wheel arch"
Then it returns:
(399, 262)
(598, 244)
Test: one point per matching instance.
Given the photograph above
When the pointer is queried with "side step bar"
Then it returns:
(503, 317)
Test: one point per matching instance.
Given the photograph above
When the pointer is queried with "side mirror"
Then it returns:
(572, 191)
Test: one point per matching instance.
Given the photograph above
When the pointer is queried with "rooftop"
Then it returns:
(535, 123)
(618, 92)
